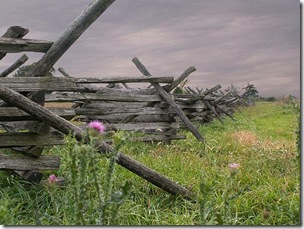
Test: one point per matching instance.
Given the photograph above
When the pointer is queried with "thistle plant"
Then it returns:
(90, 176)
(210, 213)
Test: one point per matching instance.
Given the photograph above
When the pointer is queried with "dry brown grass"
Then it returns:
(245, 137)
(250, 139)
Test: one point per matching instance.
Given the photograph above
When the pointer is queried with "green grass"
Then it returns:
(265, 190)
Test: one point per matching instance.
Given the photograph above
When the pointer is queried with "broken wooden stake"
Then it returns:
(63, 72)
(14, 32)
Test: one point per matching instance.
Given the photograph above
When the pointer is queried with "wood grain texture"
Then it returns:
(28, 139)
(14, 32)
(9, 114)
(27, 84)
(47, 83)
(29, 163)
(14, 66)
(15, 45)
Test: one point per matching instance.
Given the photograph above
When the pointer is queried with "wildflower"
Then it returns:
(96, 125)
(52, 178)
(234, 168)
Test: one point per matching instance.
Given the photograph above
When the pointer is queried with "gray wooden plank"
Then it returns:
(29, 163)
(18, 139)
(14, 32)
(88, 97)
(39, 83)
(142, 126)
(15, 45)
(100, 110)
(124, 79)
(73, 84)
(14, 114)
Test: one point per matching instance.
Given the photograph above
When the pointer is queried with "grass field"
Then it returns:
(264, 190)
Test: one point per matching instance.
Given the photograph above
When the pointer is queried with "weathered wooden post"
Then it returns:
(180, 79)
(71, 34)
(214, 111)
(169, 100)
(14, 66)
(14, 32)
(211, 90)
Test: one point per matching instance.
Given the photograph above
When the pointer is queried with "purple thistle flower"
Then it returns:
(96, 125)
(234, 168)
(52, 178)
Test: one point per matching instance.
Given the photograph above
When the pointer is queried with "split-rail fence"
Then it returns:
(29, 121)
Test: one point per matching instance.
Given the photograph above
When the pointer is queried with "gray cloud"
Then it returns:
(235, 41)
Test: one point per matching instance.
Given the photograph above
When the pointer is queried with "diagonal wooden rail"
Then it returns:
(169, 100)
(49, 118)
(70, 35)
(14, 66)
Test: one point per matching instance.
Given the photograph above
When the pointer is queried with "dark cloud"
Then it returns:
(235, 41)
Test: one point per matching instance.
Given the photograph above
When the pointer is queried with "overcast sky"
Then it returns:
(228, 41)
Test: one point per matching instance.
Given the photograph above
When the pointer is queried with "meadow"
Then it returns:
(263, 190)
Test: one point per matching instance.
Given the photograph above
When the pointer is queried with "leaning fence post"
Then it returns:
(71, 34)
(169, 100)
